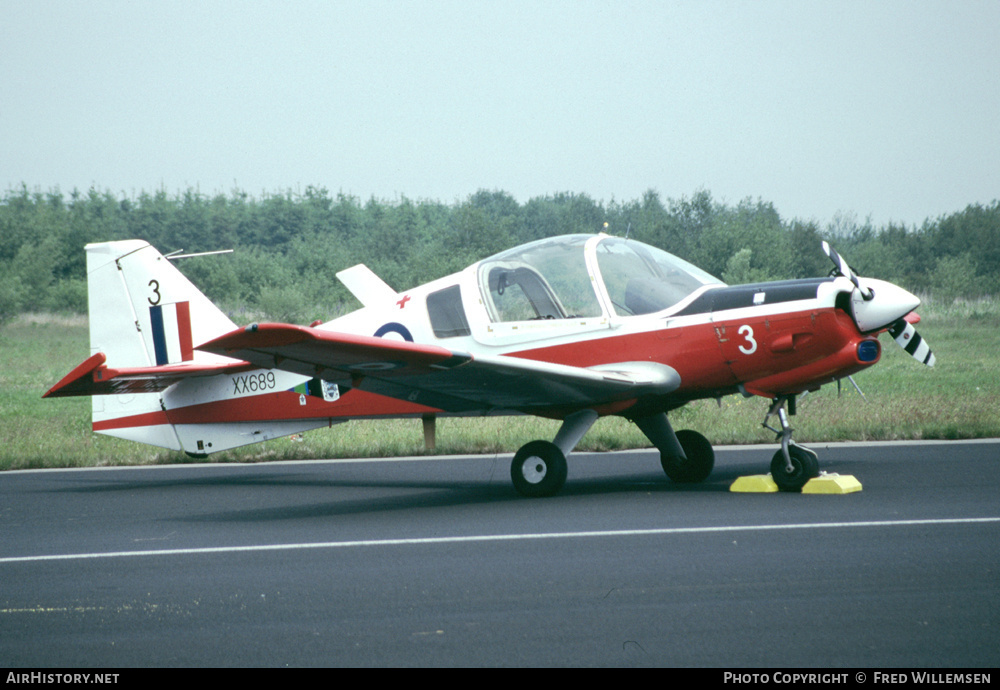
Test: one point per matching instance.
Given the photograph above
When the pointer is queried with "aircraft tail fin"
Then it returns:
(144, 313)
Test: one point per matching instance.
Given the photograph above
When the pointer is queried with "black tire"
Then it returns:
(538, 469)
(805, 466)
(699, 463)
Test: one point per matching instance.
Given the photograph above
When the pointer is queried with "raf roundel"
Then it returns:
(396, 328)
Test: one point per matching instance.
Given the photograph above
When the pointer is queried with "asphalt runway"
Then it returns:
(438, 562)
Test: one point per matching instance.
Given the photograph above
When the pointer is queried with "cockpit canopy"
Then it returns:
(572, 276)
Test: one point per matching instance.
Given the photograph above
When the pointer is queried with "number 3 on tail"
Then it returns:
(751, 344)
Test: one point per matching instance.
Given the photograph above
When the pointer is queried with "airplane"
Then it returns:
(572, 328)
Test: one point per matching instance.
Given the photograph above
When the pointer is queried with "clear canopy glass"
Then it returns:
(555, 279)
(641, 279)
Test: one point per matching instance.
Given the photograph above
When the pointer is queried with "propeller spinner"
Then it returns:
(883, 305)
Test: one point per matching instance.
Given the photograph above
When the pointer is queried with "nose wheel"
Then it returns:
(793, 465)
(793, 473)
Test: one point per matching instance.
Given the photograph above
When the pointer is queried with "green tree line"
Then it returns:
(289, 245)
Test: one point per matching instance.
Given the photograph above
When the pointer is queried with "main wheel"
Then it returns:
(699, 463)
(805, 466)
(538, 469)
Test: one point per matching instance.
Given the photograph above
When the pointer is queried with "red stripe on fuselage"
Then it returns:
(287, 405)
(147, 419)
(277, 406)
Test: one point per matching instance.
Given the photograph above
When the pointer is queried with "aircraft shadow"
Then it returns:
(388, 494)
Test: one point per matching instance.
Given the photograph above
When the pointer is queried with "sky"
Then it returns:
(886, 111)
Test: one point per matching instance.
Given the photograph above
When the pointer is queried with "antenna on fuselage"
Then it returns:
(177, 254)
(627, 229)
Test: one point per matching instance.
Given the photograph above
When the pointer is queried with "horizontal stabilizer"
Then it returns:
(92, 377)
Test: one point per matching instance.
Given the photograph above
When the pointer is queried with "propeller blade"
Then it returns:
(845, 270)
(906, 337)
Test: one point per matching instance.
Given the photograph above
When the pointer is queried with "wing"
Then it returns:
(435, 376)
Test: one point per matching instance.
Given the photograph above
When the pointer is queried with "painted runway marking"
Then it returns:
(500, 537)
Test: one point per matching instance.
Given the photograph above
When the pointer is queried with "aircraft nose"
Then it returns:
(888, 304)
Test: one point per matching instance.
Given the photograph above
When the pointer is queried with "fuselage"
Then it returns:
(574, 303)
(587, 301)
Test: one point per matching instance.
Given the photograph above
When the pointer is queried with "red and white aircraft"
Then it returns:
(571, 328)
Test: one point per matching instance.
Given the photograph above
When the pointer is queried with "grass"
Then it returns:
(958, 398)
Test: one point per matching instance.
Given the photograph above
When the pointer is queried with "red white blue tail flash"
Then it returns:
(171, 325)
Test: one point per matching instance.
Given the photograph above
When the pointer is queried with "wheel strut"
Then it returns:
(785, 434)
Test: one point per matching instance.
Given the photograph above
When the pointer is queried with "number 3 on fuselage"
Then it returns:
(751, 345)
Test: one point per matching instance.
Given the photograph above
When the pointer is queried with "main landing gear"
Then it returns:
(793, 465)
(686, 456)
(539, 467)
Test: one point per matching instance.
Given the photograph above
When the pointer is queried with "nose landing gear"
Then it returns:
(793, 465)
